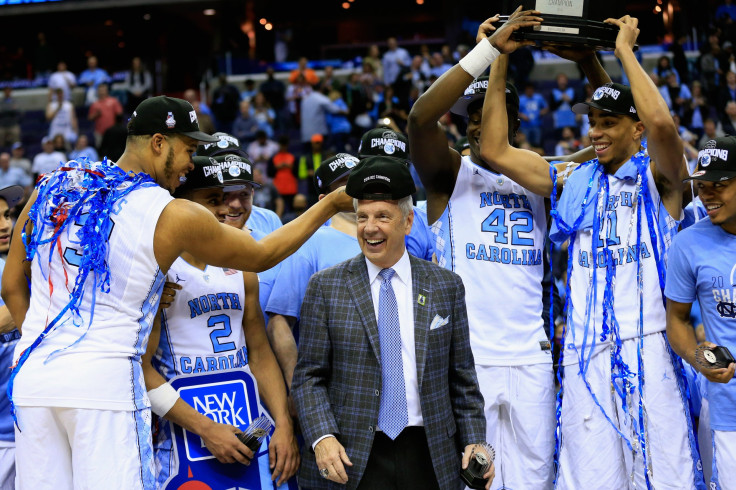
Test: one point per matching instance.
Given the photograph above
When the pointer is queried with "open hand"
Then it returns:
(627, 34)
(501, 38)
(330, 455)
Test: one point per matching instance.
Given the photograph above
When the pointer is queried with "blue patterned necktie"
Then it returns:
(392, 413)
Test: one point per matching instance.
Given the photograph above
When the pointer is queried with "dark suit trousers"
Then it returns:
(401, 464)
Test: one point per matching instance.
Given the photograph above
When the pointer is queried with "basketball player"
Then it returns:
(98, 240)
(624, 420)
(181, 342)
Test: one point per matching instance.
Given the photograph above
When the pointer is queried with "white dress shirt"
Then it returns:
(402, 285)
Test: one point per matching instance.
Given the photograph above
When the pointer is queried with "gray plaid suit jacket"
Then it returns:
(337, 380)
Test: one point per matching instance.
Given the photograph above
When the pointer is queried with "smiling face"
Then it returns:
(615, 138)
(719, 199)
(381, 231)
(6, 226)
(212, 199)
(239, 206)
(178, 161)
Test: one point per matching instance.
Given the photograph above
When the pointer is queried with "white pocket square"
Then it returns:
(438, 322)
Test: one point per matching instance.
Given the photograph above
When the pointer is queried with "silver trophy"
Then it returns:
(480, 462)
(255, 432)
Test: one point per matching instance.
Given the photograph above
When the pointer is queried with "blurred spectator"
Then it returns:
(204, 114)
(356, 97)
(295, 92)
(103, 112)
(532, 107)
(60, 143)
(729, 122)
(450, 128)
(310, 76)
(677, 95)
(249, 91)
(44, 56)
(9, 119)
(83, 150)
(415, 75)
(12, 175)
(393, 59)
(373, 58)
(568, 143)
(308, 163)
(245, 125)
(138, 84)
(521, 64)
(64, 79)
(328, 79)
(338, 124)
(726, 9)
(282, 170)
(392, 108)
(262, 150)
(91, 78)
(298, 206)
(562, 96)
(709, 69)
(679, 59)
(698, 110)
(711, 130)
(664, 68)
(439, 65)
(274, 91)
(267, 196)
(112, 145)
(687, 136)
(225, 100)
(368, 76)
(313, 114)
(18, 157)
(61, 116)
(263, 113)
(727, 94)
(48, 160)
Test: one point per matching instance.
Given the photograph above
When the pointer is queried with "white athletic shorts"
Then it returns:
(592, 453)
(520, 415)
(724, 460)
(7, 467)
(83, 449)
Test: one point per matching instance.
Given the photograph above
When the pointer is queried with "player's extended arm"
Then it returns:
(681, 336)
(437, 163)
(6, 320)
(280, 335)
(663, 140)
(185, 226)
(220, 439)
(283, 453)
(17, 274)
(523, 166)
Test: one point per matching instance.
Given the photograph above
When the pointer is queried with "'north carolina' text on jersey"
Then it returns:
(492, 235)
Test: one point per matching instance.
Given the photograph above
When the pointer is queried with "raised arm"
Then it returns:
(522, 166)
(437, 163)
(663, 140)
(185, 226)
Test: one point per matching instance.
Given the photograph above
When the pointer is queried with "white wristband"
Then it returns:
(479, 58)
(162, 399)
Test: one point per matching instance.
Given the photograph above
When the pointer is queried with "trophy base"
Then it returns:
(473, 481)
(574, 32)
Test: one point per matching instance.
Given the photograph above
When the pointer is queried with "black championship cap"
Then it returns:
(12, 194)
(383, 141)
(477, 90)
(167, 115)
(231, 172)
(717, 160)
(226, 144)
(611, 97)
(380, 178)
(333, 169)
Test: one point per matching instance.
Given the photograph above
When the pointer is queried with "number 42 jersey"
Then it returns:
(492, 234)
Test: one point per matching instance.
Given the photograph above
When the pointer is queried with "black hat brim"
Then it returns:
(584, 108)
(200, 136)
(461, 106)
(12, 195)
(712, 175)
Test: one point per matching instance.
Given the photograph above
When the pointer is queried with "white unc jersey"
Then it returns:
(202, 330)
(103, 369)
(492, 234)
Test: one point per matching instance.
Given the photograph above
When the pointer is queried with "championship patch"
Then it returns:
(170, 121)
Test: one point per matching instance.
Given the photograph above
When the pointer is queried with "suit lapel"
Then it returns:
(422, 300)
(361, 292)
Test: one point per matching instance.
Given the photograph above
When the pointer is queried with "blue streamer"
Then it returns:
(85, 194)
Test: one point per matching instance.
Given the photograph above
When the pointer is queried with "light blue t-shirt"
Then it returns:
(7, 347)
(702, 265)
(327, 247)
(266, 279)
(263, 220)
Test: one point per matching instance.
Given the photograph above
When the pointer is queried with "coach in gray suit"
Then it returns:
(385, 384)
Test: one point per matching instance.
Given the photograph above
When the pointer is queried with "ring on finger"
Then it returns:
(324, 472)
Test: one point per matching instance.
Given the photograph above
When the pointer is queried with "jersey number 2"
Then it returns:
(220, 332)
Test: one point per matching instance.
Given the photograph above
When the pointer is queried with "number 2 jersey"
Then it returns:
(492, 234)
(95, 366)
